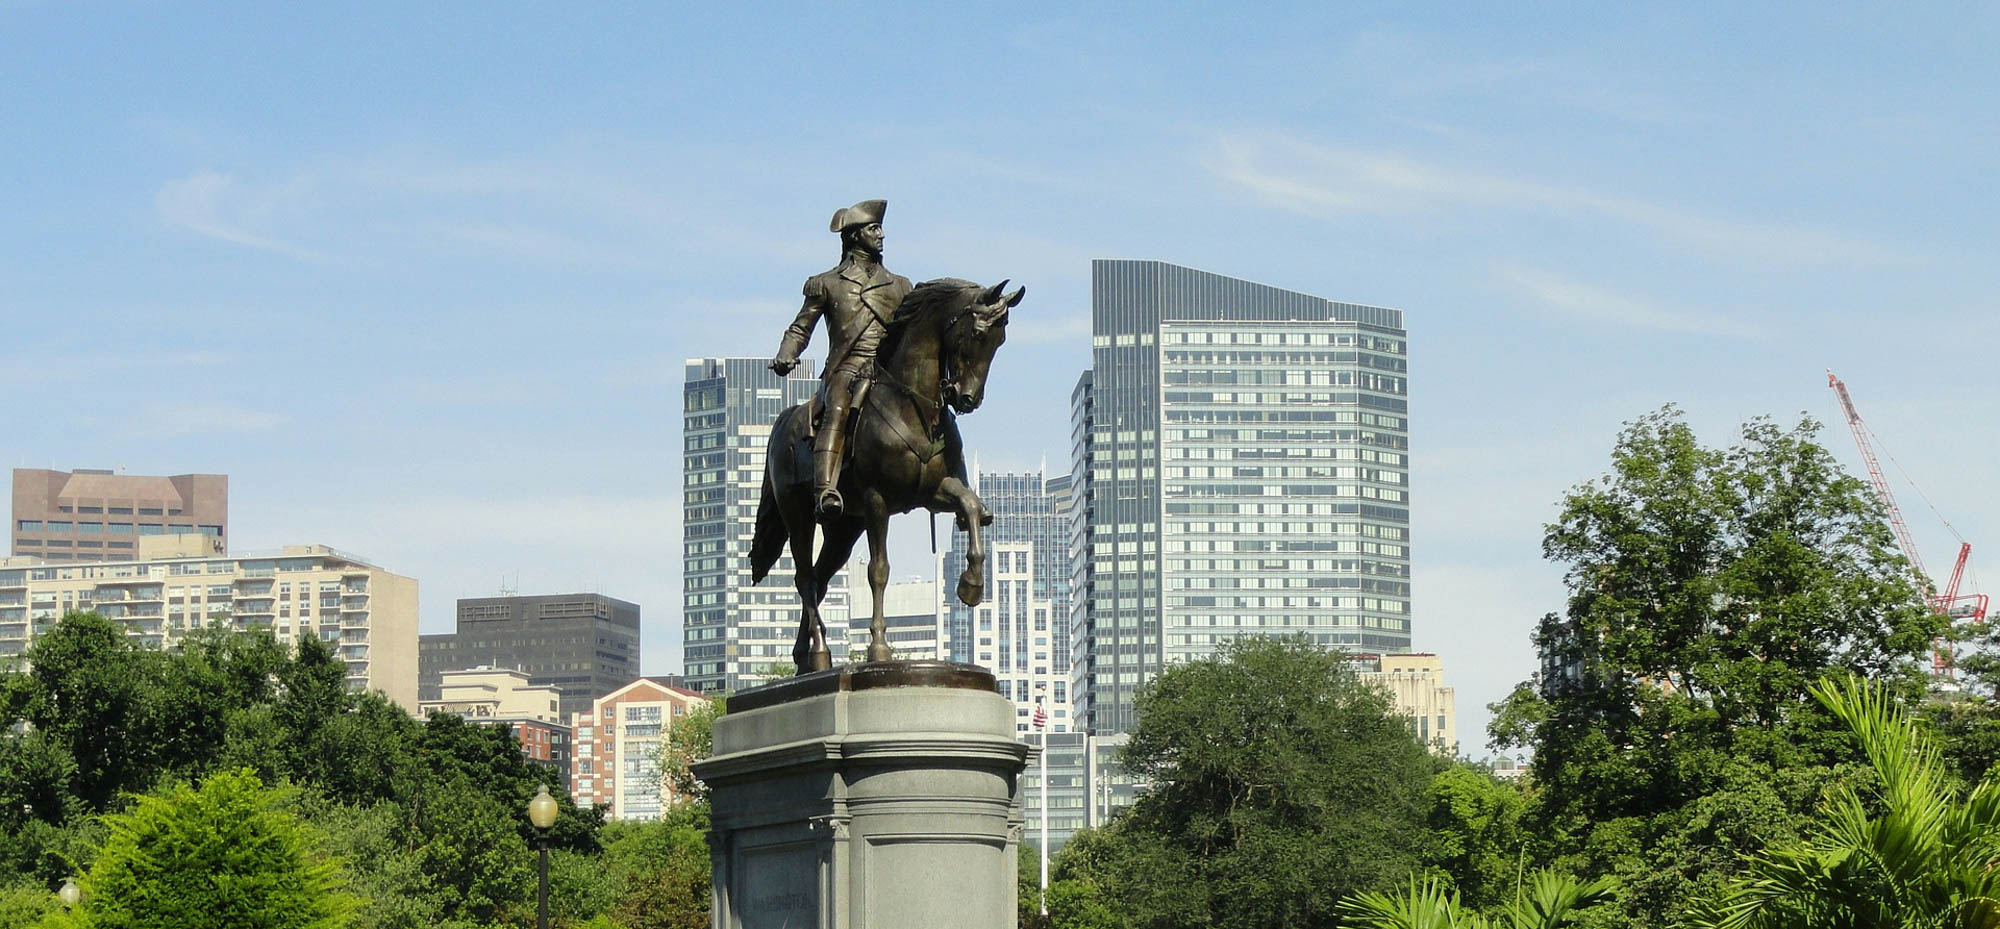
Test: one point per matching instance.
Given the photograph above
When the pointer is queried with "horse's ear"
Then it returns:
(1015, 300)
(992, 294)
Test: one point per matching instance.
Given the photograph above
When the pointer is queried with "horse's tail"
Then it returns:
(769, 542)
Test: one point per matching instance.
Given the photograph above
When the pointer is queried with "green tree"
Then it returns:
(379, 866)
(210, 674)
(1280, 783)
(665, 867)
(222, 855)
(1708, 588)
(470, 850)
(1475, 833)
(690, 738)
(86, 690)
(1918, 851)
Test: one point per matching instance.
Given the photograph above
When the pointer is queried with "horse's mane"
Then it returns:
(945, 297)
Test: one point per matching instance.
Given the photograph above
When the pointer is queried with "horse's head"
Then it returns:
(969, 343)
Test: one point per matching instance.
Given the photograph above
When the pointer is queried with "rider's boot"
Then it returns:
(827, 447)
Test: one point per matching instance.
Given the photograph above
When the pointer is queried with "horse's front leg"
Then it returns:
(961, 499)
(878, 583)
(809, 652)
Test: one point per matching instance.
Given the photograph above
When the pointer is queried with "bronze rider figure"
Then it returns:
(857, 298)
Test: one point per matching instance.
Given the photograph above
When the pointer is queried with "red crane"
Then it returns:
(1970, 607)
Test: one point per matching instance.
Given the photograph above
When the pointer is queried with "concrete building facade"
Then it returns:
(1241, 458)
(1415, 682)
(617, 751)
(95, 515)
(1087, 786)
(181, 583)
(506, 697)
(584, 645)
(733, 632)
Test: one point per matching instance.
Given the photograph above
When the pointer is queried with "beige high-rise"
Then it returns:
(179, 583)
(1415, 682)
(93, 515)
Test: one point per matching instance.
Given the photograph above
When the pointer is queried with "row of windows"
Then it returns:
(118, 510)
(68, 526)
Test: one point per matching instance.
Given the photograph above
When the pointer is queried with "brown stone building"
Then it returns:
(94, 515)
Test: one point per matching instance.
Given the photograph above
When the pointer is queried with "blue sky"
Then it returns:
(420, 278)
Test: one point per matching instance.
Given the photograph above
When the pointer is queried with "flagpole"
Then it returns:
(1041, 722)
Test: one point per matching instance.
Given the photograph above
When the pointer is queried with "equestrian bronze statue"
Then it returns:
(879, 438)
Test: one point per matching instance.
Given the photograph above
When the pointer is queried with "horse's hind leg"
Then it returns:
(836, 543)
(809, 651)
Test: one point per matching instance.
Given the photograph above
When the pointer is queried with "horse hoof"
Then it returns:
(821, 659)
(879, 652)
(969, 591)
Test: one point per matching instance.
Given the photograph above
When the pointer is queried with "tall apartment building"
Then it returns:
(583, 645)
(1013, 635)
(1241, 458)
(616, 762)
(89, 515)
(1028, 507)
(733, 631)
(913, 610)
(177, 584)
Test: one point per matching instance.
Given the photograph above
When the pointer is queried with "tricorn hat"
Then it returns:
(860, 214)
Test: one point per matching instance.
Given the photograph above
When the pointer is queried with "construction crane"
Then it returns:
(1947, 602)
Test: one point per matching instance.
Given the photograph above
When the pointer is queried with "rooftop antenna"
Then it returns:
(513, 591)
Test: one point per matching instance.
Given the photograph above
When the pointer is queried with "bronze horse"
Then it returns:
(934, 359)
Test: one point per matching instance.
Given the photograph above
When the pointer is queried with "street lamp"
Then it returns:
(542, 814)
(70, 894)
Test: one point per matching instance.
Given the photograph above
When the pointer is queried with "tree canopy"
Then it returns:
(1280, 783)
(1672, 726)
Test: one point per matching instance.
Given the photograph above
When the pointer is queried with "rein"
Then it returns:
(924, 450)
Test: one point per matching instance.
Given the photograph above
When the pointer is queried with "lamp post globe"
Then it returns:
(70, 894)
(542, 809)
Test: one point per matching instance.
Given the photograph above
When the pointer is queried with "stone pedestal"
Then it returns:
(874, 796)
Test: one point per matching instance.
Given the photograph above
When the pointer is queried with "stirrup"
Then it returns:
(830, 504)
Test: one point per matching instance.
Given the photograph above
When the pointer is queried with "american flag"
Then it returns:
(1041, 716)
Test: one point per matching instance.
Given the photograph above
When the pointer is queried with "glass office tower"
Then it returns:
(1241, 467)
(734, 633)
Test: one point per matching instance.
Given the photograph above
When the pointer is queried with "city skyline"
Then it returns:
(455, 278)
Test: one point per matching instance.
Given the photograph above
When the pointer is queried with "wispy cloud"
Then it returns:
(1322, 181)
(213, 204)
(175, 422)
(1598, 304)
